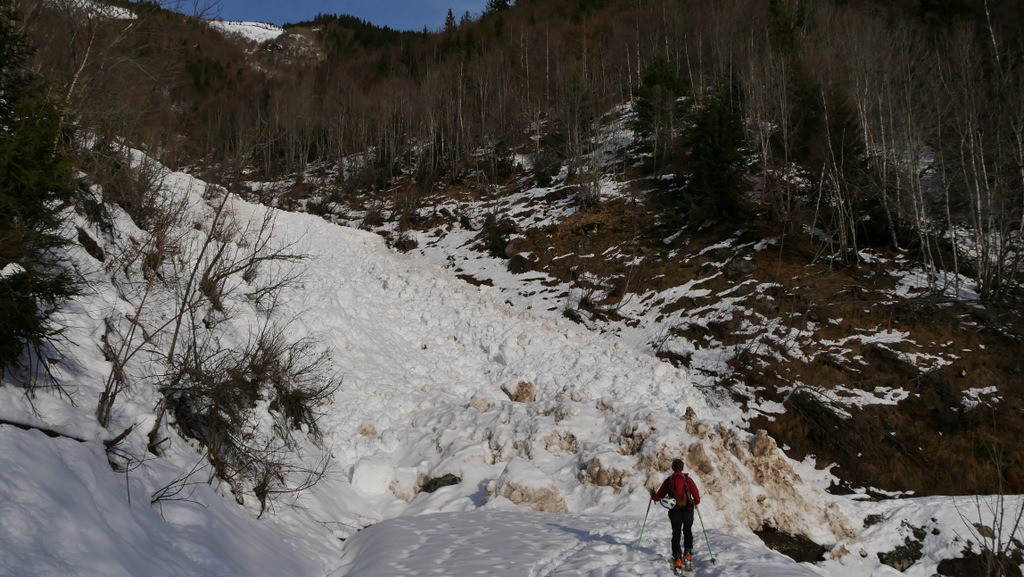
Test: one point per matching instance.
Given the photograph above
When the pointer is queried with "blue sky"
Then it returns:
(398, 14)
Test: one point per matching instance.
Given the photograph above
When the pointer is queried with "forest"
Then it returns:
(906, 117)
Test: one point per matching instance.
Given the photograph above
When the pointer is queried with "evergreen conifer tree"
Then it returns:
(717, 143)
(34, 188)
(494, 6)
(657, 106)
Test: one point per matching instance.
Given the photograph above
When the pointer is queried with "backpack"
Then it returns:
(681, 490)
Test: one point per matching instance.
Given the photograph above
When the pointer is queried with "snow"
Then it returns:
(974, 397)
(553, 483)
(258, 32)
(10, 270)
(918, 282)
(66, 513)
(517, 543)
(96, 9)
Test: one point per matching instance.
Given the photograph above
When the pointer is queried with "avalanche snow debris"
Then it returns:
(604, 424)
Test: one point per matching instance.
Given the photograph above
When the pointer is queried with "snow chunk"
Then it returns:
(524, 484)
(373, 475)
(524, 392)
(609, 469)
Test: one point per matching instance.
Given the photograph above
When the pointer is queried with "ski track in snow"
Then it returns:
(522, 544)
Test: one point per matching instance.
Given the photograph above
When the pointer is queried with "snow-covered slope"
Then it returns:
(552, 437)
(426, 360)
(257, 32)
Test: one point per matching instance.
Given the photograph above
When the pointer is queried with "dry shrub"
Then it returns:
(880, 446)
(132, 187)
(214, 395)
(213, 289)
(374, 216)
(405, 242)
(90, 245)
(975, 564)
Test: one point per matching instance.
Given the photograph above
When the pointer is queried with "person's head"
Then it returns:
(677, 465)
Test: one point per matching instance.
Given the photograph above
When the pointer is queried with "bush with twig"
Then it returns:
(218, 398)
(195, 274)
(995, 523)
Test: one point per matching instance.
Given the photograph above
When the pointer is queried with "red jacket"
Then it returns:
(674, 481)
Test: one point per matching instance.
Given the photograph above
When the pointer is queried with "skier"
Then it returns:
(681, 487)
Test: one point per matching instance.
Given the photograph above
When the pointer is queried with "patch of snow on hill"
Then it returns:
(97, 9)
(258, 32)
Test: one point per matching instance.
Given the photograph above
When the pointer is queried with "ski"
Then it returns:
(686, 569)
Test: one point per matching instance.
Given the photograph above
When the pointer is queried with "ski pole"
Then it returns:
(706, 540)
(637, 546)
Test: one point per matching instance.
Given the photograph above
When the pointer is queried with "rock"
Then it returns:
(903, 556)
(445, 480)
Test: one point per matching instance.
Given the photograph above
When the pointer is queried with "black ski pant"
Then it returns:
(682, 522)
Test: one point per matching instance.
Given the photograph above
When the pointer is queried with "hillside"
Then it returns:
(311, 283)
